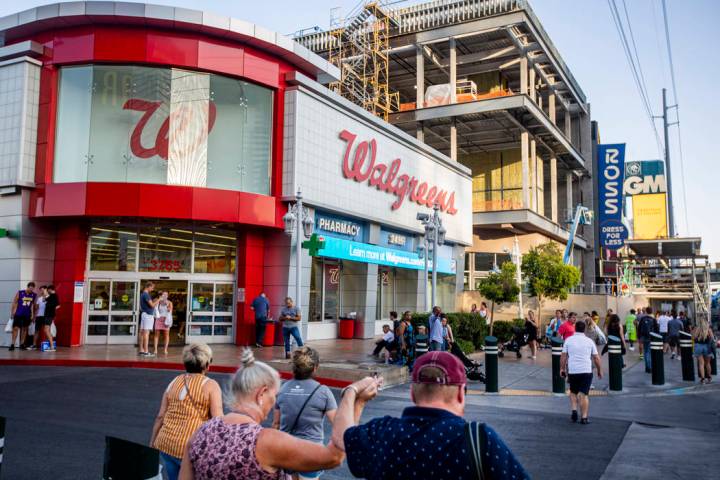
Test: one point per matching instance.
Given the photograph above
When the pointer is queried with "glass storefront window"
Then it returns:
(315, 304)
(223, 298)
(123, 296)
(113, 249)
(165, 250)
(202, 298)
(164, 126)
(99, 296)
(215, 251)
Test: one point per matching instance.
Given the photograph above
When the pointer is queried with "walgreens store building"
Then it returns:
(142, 142)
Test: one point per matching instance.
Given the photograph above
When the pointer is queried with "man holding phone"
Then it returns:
(578, 355)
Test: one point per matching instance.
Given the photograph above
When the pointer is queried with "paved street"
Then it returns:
(58, 417)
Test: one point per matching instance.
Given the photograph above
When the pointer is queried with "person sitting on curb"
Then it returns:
(387, 343)
(389, 448)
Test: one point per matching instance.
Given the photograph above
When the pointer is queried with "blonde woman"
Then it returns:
(237, 446)
(190, 400)
(704, 340)
(303, 403)
(163, 321)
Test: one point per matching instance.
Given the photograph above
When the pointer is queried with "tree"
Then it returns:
(500, 287)
(546, 275)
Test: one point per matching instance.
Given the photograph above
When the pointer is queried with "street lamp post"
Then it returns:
(297, 220)
(424, 253)
(435, 233)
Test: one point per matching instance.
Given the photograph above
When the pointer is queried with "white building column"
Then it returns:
(453, 139)
(525, 159)
(568, 125)
(453, 72)
(531, 79)
(553, 190)
(523, 75)
(569, 192)
(533, 175)
(420, 77)
(551, 107)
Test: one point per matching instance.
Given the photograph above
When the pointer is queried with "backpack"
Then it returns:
(645, 326)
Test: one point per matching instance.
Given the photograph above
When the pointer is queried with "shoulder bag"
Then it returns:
(475, 438)
(302, 409)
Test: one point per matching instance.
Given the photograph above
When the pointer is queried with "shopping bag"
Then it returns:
(9, 326)
(31, 329)
(168, 320)
(53, 330)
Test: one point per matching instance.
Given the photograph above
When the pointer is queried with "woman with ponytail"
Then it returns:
(238, 446)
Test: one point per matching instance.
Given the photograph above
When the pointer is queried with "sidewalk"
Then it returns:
(341, 361)
(526, 376)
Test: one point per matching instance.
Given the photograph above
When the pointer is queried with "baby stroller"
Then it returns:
(472, 368)
(518, 341)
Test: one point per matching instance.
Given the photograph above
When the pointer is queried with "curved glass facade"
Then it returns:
(162, 125)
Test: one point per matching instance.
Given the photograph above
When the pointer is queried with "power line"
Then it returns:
(634, 67)
(677, 111)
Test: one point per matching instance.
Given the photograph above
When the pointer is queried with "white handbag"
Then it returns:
(53, 329)
(168, 320)
(9, 326)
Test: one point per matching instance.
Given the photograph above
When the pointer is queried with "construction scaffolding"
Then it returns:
(360, 50)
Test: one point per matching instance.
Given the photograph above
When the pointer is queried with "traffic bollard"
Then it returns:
(713, 361)
(615, 363)
(558, 382)
(656, 359)
(491, 365)
(125, 459)
(686, 357)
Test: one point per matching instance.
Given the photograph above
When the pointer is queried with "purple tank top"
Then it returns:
(223, 451)
(25, 303)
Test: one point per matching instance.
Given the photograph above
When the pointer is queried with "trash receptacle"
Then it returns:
(269, 338)
(359, 330)
(347, 328)
(279, 340)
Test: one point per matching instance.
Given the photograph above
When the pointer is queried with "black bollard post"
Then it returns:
(713, 361)
(491, 365)
(558, 382)
(615, 363)
(125, 459)
(686, 357)
(657, 361)
(2, 441)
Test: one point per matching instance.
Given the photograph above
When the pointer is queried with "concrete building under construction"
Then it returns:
(480, 81)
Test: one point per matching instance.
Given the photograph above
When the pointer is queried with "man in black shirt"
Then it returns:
(52, 303)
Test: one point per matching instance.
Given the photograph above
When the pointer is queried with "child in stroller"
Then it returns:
(472, 368)
(518, 341)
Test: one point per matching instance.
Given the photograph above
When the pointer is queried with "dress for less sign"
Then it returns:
(611, 159)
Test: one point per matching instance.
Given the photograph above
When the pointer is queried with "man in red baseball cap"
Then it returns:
(431, 439)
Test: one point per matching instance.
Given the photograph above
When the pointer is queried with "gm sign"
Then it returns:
(611, 160)
(644, 177)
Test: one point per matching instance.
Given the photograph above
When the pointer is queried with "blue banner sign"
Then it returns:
(611, 168)
(365, 253)
(337, 226)
(397, 240)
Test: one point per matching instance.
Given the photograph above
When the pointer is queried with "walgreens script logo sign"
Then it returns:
(361, 165)
(188, 125)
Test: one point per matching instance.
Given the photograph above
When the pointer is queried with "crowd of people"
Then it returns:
(199, 440)
(32, 317)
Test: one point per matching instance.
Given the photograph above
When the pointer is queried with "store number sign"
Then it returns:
(157, 265)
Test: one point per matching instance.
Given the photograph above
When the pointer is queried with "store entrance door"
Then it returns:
(178, 295)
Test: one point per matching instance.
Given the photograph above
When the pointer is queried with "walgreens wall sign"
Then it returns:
(361, 164)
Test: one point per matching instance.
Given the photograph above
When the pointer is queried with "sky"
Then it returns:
(585, 35)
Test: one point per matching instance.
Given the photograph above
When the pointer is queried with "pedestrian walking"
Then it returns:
(290, 316)
(436, 333)
(422, 341)
(615, 328)
(189, 400)
(567, 329)
(531, 328)
(406, 338)
(163, 322)
(646, 326)
(484, 313)
(430, 439)
(147, 318)
(592, 331)
(675, 326)
(579, 354)
(448, 338)
(52, 304)
(37, 329)
(704, 343)
(303, 403)
(236, 445)
(261, 306)
(630, 328)
(663, 321)
(434, 315)
(555, 324)
(686, 321)
(22, 312)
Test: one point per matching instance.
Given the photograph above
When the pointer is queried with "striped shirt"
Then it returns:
(188, 408)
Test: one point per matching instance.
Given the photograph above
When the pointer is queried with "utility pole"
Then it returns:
(668, 176)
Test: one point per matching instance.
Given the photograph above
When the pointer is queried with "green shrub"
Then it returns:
(465, 345)
(471, 329)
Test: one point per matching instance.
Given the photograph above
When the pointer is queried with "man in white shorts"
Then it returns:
(578, 356)
(147, 318)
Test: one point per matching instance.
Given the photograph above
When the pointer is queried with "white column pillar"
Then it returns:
(453, 139)
(524, 158)
(553, 189)
(569, 192)
(420, 80)
(551, 108)
(531, 86)
(568, 125)
(453, 71)
(533, 175)
(523, 75)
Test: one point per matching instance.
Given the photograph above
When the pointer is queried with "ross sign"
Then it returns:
(611, 159)
(647, 176)
(387, 177)
(366, 253)
(339, 226)
(650, 216)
